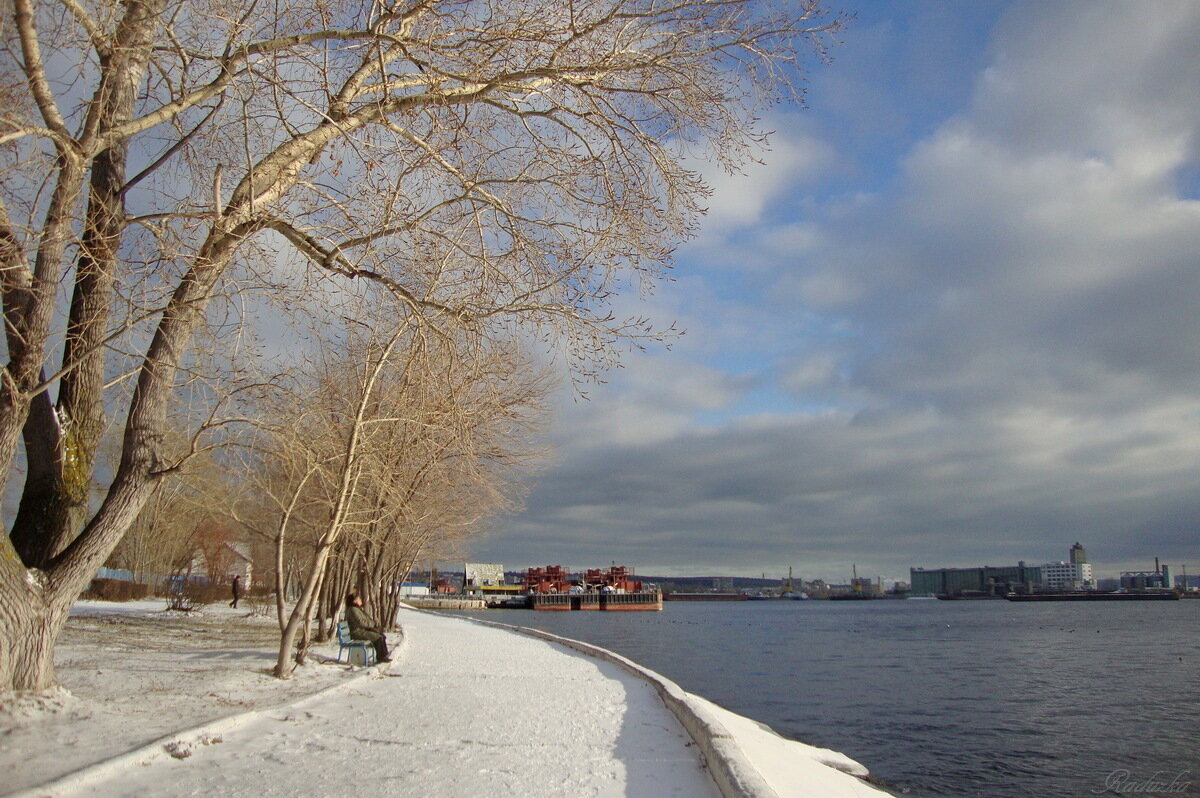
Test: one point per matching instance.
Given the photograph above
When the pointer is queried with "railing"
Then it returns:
(595, 601)
(629, 598)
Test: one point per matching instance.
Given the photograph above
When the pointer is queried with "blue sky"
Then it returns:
(951, 321)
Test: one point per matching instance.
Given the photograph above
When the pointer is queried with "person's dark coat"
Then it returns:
(360, 624)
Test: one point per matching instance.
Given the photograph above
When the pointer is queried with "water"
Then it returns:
(942, 698)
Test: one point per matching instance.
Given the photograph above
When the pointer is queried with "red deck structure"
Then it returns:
(551, 588)
(551, 579)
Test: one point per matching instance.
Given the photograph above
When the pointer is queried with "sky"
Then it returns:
(951, 321)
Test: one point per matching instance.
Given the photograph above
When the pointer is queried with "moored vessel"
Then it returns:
(706, 597)
(603, 602)
(1149, 595)
(968, 595)
(606, 590)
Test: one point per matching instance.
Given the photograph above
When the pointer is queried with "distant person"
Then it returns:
(361, 628)
(237, 591)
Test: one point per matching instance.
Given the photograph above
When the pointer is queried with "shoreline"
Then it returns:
(744, 757)
(738, 773)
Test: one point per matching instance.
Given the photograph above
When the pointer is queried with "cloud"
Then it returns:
(742, 199)
(982, 357)
(648, 402)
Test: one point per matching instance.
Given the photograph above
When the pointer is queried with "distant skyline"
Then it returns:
(952, 321)
(1150, 565)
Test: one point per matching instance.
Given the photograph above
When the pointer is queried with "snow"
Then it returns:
(158, 703)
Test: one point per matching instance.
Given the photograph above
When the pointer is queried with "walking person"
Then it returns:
(237, 591)
(361, 628)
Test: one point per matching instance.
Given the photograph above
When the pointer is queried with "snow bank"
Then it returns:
(467, 708)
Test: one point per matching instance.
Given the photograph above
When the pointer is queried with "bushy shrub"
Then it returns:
(210, 594)
(260, 601)
(116, 590)
(192, 596)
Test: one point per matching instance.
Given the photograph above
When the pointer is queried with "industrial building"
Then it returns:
(986, 580)
(1073, 575)
(1159, 578)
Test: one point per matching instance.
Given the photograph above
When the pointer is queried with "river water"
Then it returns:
(942, 698)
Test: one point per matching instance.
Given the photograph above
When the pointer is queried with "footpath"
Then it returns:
(467, 709)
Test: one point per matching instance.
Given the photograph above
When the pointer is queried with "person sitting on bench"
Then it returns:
(361, 628)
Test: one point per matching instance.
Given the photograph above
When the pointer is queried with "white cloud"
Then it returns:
(649, 401)
(1007, 329)
(741, 200)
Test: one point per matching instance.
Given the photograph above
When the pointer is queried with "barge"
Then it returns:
(603, 590)
(602, 602)
(706, 597)
(1162, 595)
(968, 595)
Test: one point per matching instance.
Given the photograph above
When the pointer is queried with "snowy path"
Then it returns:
(459, 714)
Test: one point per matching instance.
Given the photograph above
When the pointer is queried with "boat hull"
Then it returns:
(597, 602)
(706, 597)
(1169, 595)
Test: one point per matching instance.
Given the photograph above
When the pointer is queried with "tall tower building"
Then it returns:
(1078, 555)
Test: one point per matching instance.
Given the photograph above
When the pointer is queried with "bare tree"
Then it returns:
(477, 160)
(456, 441)
(282, 469)
(178, 522)
(427, 437)
(348, 467)
(158, 542)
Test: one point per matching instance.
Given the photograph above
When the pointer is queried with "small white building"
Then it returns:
(482, 574)
(1068, 576)
(220, 564)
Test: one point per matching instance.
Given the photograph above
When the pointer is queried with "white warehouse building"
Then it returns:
(1068, 576)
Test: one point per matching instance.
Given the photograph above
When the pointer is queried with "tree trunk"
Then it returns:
(61, 445)
(397, 576)
(31, 619)
(280, 584)
(338, 585)
(310, 611)
(285, 663)
(322, 605)
(28, 308)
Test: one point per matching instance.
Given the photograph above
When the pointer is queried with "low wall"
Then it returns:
(435, 603)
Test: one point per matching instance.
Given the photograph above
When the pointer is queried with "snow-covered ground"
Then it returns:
(159, 703)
